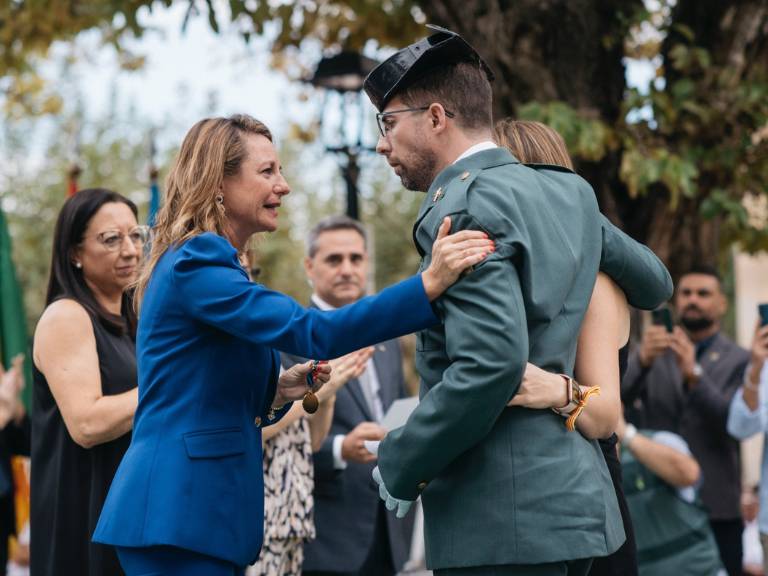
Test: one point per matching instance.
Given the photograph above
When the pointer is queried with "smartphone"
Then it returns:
(763, 310)
(663, 317)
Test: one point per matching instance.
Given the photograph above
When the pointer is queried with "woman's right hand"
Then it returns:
(451, 255)
(540, 389)
(343, 370)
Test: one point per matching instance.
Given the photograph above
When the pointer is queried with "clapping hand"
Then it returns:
(343, 370)
(11, 385)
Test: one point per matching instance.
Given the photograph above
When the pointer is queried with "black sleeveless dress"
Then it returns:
(623, 562)
(69, 483)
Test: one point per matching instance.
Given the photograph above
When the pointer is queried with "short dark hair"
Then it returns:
(704, 269)
(461, 87)
(66, 281)
(333, 223)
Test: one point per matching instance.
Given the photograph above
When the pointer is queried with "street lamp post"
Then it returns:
(342, 76)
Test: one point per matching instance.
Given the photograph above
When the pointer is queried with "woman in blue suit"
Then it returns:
(187, 491)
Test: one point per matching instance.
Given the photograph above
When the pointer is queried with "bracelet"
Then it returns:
(629, 434)
(573, 396)
(571, 422)
(272, 413)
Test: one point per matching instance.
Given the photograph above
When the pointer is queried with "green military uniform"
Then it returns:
(511, 486)
(673, 536)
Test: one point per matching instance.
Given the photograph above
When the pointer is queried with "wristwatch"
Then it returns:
(629, 433)
(697, 372)
(573, 394)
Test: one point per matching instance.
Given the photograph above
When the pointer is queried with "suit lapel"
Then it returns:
(426, 206)
(355, 390)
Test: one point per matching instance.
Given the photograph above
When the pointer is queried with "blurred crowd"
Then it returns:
(690, 394)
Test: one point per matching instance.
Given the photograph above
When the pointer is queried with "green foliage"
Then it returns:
(33, 191)
(587, 138)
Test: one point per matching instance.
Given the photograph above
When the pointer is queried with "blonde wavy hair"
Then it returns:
(213, 149)
(532, 142)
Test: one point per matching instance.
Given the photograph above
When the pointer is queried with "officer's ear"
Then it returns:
(437, 117)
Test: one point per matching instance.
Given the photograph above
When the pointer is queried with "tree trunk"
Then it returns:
(573, 51)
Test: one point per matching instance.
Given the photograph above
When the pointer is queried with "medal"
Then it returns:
(310, 403)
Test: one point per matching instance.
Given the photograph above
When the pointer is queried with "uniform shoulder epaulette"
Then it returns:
(453, 196)
(555, 167)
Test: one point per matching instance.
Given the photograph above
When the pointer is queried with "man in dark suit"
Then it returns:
(683, 381)
(354, 534)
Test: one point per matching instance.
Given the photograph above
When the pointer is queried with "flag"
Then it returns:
(154, 201)
(13, 322)
(74, 172)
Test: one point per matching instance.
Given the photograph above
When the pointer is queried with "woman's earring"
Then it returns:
(78, 265)
(220, 201)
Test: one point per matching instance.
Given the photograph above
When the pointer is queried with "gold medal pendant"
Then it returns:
(310, 403)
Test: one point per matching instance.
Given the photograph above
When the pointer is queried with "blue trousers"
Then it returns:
(172, 561)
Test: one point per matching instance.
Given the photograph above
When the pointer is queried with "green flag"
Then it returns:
(13, 322)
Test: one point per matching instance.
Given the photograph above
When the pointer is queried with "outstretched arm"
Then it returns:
(604, 330)
(635, 268)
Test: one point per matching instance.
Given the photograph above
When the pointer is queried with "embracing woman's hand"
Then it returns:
(451, 255)
(292, 384)
(540, 389)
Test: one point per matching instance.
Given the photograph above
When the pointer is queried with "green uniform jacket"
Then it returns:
(512, 485)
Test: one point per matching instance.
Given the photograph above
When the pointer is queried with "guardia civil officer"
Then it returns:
(505, 490)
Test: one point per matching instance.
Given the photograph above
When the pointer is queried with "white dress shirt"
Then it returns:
(369, 383)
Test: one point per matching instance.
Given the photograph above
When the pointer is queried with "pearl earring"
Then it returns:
(78, 265)
(219, 199)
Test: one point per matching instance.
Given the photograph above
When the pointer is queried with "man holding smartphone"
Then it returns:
(683, 381)
(749, 413)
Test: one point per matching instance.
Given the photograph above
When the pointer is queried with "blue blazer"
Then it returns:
(208, 364)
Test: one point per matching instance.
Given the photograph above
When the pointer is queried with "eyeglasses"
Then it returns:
(112, 240)
(385, 127)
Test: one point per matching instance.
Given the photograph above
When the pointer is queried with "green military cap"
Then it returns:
(406, 65)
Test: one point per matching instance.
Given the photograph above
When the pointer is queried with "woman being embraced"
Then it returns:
(601, 354)
(190, 486)
(84, 380)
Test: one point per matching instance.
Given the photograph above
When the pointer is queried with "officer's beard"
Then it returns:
(420, 172)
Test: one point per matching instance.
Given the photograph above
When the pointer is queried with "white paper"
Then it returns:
(398, 412)
(396, 416)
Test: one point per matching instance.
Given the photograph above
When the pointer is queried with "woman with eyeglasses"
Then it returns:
(85, 391)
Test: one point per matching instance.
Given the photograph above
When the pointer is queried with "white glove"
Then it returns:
(390, 501)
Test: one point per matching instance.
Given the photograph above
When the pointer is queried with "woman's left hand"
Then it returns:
(292, 384)
(452, 254)
(540, 389)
